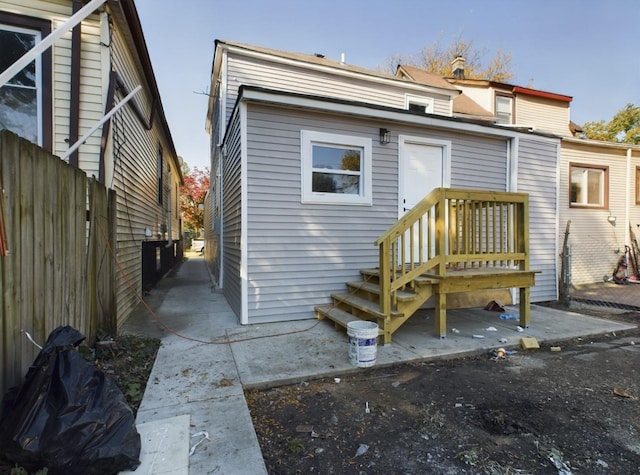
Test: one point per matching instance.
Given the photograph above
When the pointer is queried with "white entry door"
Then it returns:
(424, 165)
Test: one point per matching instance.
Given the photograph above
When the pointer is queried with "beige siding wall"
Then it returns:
(481, 95)
(542, 114)
(256, 72)
(134, 176)
(131, 162)
(596, 244)
(91, 93)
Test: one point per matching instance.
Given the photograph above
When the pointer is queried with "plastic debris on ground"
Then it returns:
(68, 416)
(509, 316)
(205, 436)
(362, 450)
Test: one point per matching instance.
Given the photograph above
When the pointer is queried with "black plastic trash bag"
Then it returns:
(68, 416)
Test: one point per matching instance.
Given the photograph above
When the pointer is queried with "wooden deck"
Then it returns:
(452, 241)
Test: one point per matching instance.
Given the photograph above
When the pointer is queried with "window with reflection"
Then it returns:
(25, 105)
(589, 186)
(336, 168)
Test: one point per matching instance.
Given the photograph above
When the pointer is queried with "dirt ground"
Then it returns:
(531, 412)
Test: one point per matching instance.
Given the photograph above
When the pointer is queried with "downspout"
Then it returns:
(111, 92)
(627, 209)
(74, 101)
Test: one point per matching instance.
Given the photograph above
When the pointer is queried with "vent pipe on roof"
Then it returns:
(457, 67)
(342, 58)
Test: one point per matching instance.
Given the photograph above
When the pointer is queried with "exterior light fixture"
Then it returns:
(612, 219)
(385, 136)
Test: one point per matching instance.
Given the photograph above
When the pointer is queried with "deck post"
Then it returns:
(525, 307)
(441, 314)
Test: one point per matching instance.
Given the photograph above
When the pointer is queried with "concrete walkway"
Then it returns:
(196, 385)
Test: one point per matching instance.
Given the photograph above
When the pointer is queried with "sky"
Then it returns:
(587, 49)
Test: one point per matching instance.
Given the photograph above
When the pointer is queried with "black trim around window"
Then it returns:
(44, 27)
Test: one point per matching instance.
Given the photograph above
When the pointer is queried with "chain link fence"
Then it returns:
(619, 285)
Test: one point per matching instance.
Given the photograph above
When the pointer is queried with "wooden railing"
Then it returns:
(450, 230)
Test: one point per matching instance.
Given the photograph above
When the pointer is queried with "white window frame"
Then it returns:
(38, 82)
(427, 102)
(308, 139)
(509, 102)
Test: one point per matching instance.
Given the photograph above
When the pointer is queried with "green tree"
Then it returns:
(624, 127)
(192, 195)
(436, 58)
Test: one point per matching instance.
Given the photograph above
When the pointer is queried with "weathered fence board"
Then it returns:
(58, 269)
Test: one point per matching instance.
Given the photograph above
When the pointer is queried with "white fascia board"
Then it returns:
(216, 75)
(600, 143)
(341, 72)
(249, 95)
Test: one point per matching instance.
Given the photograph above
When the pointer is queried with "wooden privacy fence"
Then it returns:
(57, 269)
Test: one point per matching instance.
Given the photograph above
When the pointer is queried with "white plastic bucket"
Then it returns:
(363, 343)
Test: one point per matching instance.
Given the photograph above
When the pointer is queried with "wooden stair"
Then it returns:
(362, 302)
(454, 241)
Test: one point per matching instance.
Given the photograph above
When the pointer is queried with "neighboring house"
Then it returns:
(67, 90)
(599, 182)
(600, 196)
(288, 222)
(517, 106)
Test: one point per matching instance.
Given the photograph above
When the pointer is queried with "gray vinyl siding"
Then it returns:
(255, 72)
(477, 162)
(298, 254)
(537, 169)
(232, 214)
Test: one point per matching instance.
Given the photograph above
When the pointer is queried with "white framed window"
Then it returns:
(418, 104)
(336, 168)
(504, 109)
(21, 97)
(589, 186)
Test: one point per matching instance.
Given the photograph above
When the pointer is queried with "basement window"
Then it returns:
(336, 168)
(589, 186)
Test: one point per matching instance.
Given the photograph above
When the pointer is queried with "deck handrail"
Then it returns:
(453, 229)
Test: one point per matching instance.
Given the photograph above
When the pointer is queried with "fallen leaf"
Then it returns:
(623, 393)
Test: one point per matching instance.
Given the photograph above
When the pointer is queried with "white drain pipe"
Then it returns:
(116, 108)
